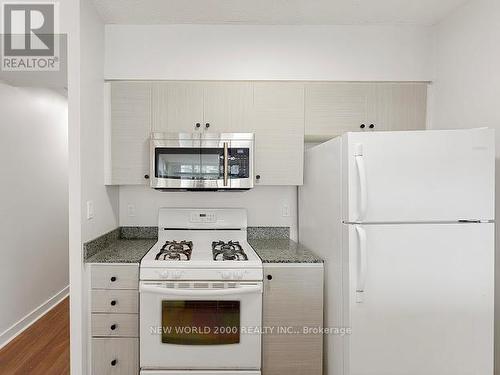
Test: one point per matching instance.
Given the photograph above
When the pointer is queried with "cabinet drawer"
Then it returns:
(115, 301)
(115, 277)
(118, 325)
(116, 356)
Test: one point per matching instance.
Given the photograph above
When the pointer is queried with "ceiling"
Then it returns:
(275, 12)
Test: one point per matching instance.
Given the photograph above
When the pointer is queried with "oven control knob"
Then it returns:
(226, 275)
(164, 274)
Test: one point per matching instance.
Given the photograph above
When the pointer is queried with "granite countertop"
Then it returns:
(122, 245)
(283, 250)
(122, 251)
(130, 244)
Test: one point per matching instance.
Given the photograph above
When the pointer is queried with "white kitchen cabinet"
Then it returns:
(227, 106)
(201, 106)
(400, 106)
(177, 106)
(293, 299)
(114, 318)
(278, 123)
(129, 130)
(333, 108)
(116, 356)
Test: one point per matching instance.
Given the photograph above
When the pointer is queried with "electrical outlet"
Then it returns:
(131, 210)
(90, 210)
(285, 211)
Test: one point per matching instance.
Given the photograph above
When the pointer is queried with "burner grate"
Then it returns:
(174, 250)
(231, 250)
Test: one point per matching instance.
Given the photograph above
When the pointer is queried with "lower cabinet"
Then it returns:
(293, 319)
(114, 318)
(112, 356)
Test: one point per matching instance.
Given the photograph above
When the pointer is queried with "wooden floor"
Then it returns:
(42, 349)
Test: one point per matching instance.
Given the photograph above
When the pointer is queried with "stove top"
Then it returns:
(196, 244)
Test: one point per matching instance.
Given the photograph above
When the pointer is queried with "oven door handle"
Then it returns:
(200, 293)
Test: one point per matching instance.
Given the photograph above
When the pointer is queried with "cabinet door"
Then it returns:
(400, 106)
(115, 356)
(130, 132)
(293, 297)
(278, 123)
(177, 106)
(333, 108)
(227, 106)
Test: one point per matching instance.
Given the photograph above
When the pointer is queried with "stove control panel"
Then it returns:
(203, 217)
(202, 274)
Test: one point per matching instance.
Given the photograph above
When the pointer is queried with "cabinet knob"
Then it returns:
(113, 327)
(207, 125)
(269, 277)
(362, 126)
(113, 279)
(371, 126)
(257, 177)
(113, 303)
(198, 125)
(114, 362)
(146, 176)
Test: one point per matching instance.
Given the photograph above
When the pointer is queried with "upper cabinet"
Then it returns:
(128, 129)
(281, 114)
(333, 108)
(201, 106)
(278, 123)
(177, 106)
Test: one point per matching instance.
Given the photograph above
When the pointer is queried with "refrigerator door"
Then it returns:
(419, 176)
(419, 299)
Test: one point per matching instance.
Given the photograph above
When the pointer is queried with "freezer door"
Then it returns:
(419, 176)
(419, 299)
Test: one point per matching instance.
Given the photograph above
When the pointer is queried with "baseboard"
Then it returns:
(17, 328)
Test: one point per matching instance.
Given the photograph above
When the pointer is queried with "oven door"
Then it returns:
(200, 325)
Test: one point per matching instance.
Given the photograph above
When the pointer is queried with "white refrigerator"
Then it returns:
(405, 223)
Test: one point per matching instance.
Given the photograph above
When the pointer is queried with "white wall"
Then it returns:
(208, 52)
(466, 91)
(33, 203)
(264, 204)
(92, 128)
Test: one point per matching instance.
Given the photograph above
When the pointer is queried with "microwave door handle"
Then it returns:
(226, 155)
(200, 293)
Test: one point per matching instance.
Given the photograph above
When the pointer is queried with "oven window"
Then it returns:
(178, 163)
(200, 322)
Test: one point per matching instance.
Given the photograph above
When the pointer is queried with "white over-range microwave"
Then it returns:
(202, 161)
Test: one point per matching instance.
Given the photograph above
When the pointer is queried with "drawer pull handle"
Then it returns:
(269, 277)
(113, 327)
(114, 362)
(113, 303)
(113, 279)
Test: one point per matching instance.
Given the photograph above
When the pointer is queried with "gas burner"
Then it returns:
(173, 250)
(228, 251)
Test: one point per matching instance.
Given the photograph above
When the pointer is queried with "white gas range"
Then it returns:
(201, 296)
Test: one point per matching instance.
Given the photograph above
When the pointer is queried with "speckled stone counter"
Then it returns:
(122, 245)
(281, 250)
(122, 251)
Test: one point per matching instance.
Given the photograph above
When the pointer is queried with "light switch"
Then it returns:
(90, 210)
(285, 211)
(131, 210)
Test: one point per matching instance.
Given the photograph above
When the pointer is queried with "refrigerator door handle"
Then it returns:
(360, 165)
(362, 264)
